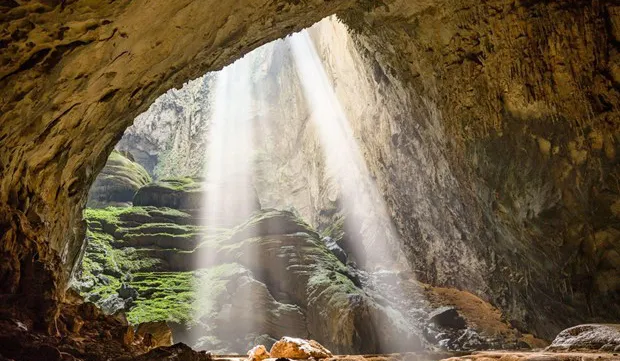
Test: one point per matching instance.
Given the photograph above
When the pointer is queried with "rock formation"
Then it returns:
(118, 182)
(494, 138)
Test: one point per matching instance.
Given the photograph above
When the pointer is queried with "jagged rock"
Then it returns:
(89, 311)
(114, 303)
(258, 353)
(76, 324)
(297, 348)
(118, 182)
(447, 317)
(125, 334)
(161, 334)
(590, 337)
(126, 292)
(334, 248)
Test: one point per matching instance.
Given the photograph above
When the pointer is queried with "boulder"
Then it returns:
(258, 353)
(118, 182)
(297, 348)
(589, 337)
(161, 334)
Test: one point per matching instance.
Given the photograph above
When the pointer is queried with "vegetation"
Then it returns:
(134, 247)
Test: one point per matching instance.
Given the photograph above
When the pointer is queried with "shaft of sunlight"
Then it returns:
(229, 194)
(374, 238)
(366, 210)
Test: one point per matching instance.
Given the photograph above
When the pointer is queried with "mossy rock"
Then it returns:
(118, 182)
(181, 193)
(192, 194)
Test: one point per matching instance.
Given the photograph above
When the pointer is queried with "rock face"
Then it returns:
(588, 338)
(184, 193)
(160, 333)
(98, 73)
(490, 174)
(225, 290)
(118, 182)
(495, 146)
(192, 194)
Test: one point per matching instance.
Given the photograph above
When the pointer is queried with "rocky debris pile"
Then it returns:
(590, 337)
(447, 329)
(82, 332)
(177, 352)
(118, 182)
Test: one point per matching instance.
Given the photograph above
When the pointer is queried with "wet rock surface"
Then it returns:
(592, 337)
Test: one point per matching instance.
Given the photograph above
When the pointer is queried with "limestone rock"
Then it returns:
(258, 353)
(118, 182)
(297, 348)
(182, 193)
(161, 334)
(334, 248)
(191, 194)
(590, 337)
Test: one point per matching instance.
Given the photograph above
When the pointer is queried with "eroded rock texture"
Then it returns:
(510, 147)
(74, 75)
(495, 145)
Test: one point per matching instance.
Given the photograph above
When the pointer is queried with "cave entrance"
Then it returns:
(239, 209)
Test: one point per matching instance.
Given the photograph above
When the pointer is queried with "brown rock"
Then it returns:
(75, 324)
(297, 348)
(125, 334)
(89, 311)
(258, 353)
(161, 334)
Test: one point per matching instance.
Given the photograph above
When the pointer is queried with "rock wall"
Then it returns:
(74, 75)
(499, 162)
(501, 170)
(503, 206)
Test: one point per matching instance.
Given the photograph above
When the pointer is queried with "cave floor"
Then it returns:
(460, 356)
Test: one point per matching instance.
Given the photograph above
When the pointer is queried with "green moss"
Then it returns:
(184, 184)
(171, 296)
(335, 230)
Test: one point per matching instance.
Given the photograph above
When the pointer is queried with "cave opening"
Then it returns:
(196, 223)
(485, 136)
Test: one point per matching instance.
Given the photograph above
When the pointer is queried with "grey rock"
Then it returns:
(604, 337)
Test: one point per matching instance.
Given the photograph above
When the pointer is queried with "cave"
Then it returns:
(483, 137)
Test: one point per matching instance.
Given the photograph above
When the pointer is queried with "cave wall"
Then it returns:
(74, 75)
(500, 169)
